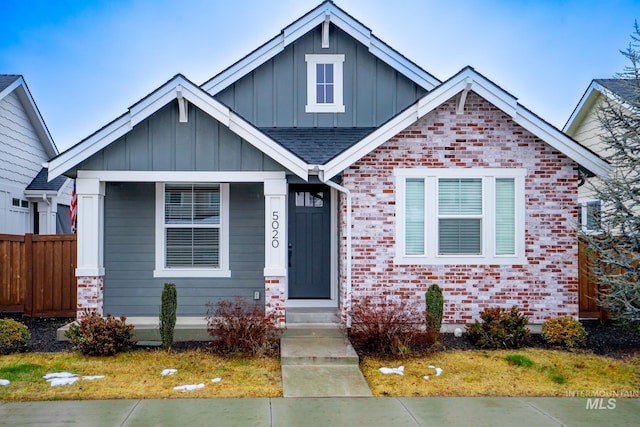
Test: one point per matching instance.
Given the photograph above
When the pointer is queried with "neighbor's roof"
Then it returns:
(41, 182)
(624, 88)
(7, 79)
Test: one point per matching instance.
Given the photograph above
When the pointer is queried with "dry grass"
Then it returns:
(136, 375)
(487, 373)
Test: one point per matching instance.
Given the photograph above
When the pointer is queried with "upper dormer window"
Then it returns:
(324, 84)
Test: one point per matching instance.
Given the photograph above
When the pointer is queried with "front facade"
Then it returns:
(29, 203)
(321, 169)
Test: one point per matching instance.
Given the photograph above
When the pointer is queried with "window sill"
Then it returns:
(324, 108)
(460, 260)
(191, 273)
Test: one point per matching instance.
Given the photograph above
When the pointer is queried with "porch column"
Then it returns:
(275, 253)
(90, 226)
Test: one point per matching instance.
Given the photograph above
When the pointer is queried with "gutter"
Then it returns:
(347, 193)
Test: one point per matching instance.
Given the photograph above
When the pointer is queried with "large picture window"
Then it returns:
(460, 216)
(192, 230)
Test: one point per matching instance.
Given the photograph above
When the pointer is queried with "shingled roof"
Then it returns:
(624, 88)
(317, 145)
(40, 183)
(6, 80)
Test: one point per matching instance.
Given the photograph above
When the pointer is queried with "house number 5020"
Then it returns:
(275, 229)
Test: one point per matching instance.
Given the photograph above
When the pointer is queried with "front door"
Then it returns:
(309, 242)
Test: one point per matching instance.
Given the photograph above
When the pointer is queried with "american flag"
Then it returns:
(73, 210)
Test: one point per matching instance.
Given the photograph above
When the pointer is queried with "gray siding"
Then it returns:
(275, 94)
(162, 143)
(129, 285)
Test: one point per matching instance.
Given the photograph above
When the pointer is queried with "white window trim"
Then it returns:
(582, 203)
(338, 105)
(222, 271)
(431, 176)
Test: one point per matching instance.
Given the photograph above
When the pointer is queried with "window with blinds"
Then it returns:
(192, 225)
(460, 216)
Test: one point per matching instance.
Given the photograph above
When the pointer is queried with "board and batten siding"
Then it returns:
(162, 143)
(129, 285)
(275, 93)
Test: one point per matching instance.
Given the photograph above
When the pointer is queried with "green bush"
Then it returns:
(168, 311)
(14, 336)
(500, 328)
(566, 332)
(98, 336)
(435, 307)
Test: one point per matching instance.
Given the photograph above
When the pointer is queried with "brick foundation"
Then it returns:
(543, 287)
(274, 298)
(90, 296)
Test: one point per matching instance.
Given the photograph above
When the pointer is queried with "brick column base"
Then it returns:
(274, 298)
(90, 296)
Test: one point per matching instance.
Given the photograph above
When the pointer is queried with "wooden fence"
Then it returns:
(37, 274)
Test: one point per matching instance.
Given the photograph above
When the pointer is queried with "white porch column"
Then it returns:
(47, 211)
(90, 222)
(275, 253)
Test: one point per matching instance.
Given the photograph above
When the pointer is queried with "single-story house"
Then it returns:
(321, 169)
(29, 201)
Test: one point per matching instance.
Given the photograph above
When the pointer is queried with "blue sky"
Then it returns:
(86, 62)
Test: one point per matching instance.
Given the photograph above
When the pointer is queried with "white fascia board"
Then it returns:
(561, 142)
(268, 146)
(244, 66)
(180, 176)
(88, 147)
(371, 142)
(205, 102)
(299, 28)
(22, 91)
(588, 97)
(403, 65)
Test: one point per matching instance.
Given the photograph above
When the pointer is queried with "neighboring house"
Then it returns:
(585, 127)
(28, 202)
(322, 168)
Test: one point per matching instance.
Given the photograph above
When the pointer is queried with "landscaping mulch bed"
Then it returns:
(605, 339)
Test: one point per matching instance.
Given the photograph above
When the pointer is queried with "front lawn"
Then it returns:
(526, 372)
(136, 375)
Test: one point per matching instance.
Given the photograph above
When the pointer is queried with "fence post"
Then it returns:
(28, 274)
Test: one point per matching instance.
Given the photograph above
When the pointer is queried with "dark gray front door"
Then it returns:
(309, 242)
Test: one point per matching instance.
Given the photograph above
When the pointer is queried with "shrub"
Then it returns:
(565, 332)
(98, 336)
(14, 336)
(500, 328)
(392, 329)
(168, 311)
(435, 306)
(238, 327)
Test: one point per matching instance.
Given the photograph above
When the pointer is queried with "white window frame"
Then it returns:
(488, 244)
(338, 88)
(161, 270)
(582, 205)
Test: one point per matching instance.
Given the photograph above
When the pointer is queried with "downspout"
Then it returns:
(347, 193)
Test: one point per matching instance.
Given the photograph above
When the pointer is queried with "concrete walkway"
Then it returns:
(319, 361)
(330, 412)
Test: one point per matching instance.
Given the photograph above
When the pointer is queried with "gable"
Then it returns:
(275, 93)
(161, 142)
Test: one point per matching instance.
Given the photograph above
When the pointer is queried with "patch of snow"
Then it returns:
(168, 371)
(457, 332)
(438, 370)
(59, 375)
(216, 380)
(55, 382)
(4, 382)
(92, 377)
(189, 387)
(399, 370)
(426, 377)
